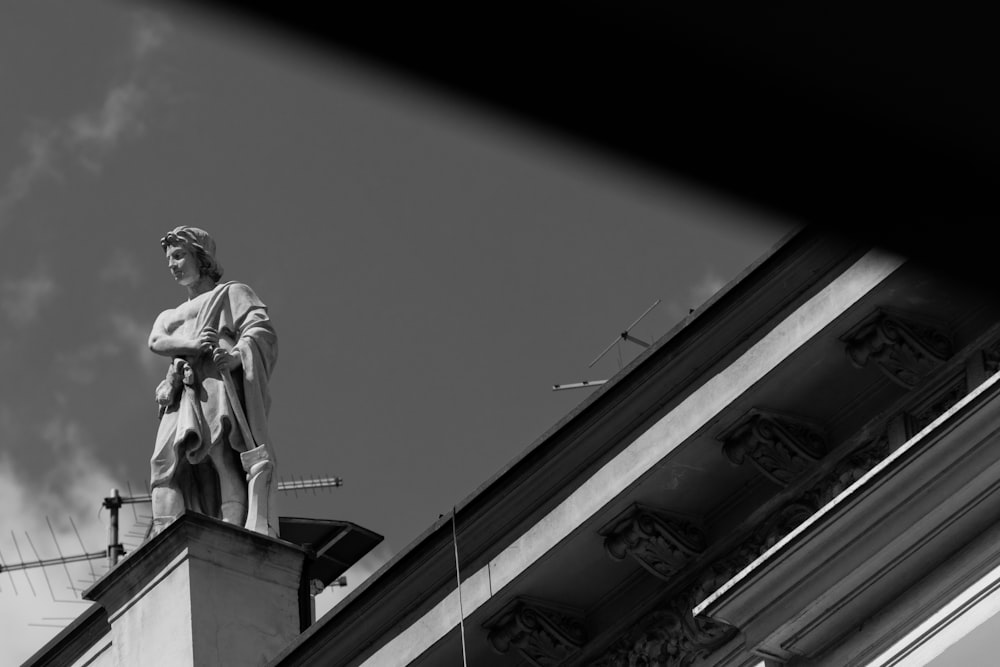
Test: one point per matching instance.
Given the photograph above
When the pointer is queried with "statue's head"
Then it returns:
(199, 244)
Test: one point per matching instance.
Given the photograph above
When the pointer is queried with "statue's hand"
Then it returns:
(226, 361)
(208, 340)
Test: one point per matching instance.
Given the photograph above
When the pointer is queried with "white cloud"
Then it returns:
(83, 365)
(21, 299)
(128, 335)
(73, 488)
(120, 113)
(122, 269)
(37, 163)
(90, 135)
(135, 336)
(149, 32)
(119, 116)
(705, 288)
(700, 292)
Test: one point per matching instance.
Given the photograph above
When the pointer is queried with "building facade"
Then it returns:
(804, 471)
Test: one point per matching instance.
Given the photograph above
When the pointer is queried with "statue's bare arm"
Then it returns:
(163, 342)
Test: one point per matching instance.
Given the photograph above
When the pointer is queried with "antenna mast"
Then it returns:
(626, 336)
(115, 549)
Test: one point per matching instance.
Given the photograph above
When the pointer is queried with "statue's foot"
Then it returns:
(159, 525)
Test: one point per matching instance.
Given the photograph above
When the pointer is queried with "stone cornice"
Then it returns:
(379, 615)
(646, 641)
(939, 490)
(670, 636)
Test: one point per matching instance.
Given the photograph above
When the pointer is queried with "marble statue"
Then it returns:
(213, 452)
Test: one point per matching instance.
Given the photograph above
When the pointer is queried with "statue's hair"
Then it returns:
(185, 237)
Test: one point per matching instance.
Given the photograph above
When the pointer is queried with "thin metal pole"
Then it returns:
(45, 562)
(115, 549)
(458, 577)
(21, 558)
(625, 336)
(83, 549)
(586, 384)
(59, 551)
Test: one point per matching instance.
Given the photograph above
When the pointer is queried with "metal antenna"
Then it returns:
(293, 485)
(313, 483)
(59, 551)
(115, 550)
(44, 562)
(45, 574)
(625, 335)
(83, 549)
(134, 513)
(3, 566)
(20, 557)
(586, 384)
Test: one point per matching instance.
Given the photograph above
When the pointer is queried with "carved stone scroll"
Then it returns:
(921, 416)
(903, 349)
(544, 634)
(991, 359)
(782, 447)
(850, 469)
(658, 542)
(671, 636)
(668, 637)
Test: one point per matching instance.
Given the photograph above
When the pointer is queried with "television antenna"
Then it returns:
(625, 336)
(115, 549)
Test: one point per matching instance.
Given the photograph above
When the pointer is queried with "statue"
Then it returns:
(212, 451)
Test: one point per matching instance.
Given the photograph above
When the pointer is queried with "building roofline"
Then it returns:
(424, 569)
(74, 640)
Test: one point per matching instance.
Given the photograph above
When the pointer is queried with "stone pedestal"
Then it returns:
(203, 592)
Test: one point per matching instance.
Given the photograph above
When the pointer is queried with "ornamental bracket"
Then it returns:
(662, 544)
(668, 637)
(905, 348)
(544, 633)
(780, 446)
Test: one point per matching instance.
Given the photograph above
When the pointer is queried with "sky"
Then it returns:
(432, 268)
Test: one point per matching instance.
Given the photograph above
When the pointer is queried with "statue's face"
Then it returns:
(183, 265)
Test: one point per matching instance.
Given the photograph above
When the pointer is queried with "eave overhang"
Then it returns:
(75, 641)
(419, 582)
(874, 541)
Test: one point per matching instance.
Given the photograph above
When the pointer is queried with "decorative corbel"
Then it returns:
(660, 543)
(922, 415)
(545, 634)
(782, 447)
(991, 359)
(903, 348)
(668, 637)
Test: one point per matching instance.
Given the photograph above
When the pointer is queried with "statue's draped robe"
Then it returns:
(202, 418)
